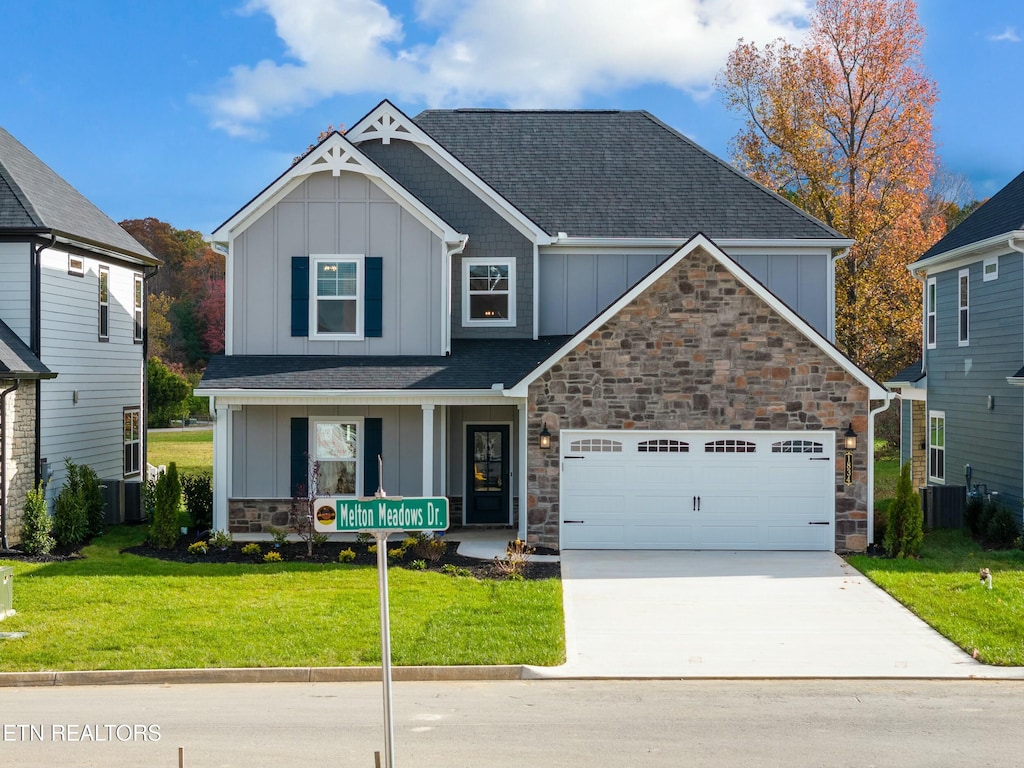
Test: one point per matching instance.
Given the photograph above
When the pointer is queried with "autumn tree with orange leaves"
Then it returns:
(842, 126)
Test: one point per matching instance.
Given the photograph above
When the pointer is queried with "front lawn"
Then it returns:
(190, 449)
(118, 611)
(943, 588)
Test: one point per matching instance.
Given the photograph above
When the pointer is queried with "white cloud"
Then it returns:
(521, 53)
(1008, 35)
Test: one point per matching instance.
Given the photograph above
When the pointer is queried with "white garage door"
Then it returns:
(697, 490)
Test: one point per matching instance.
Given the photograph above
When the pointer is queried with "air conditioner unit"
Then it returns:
(943, 505)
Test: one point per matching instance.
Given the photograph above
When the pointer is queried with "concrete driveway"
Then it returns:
(741, 614)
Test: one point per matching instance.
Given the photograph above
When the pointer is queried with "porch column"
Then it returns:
(523, 445)
(428, 450)
(221, 462)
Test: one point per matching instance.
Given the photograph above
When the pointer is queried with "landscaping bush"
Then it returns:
(36, 523)
(197, 488)
(92, 498)
(163, 531)
(974, 515)
(71, 510)
(1001, 530)
(904, 531)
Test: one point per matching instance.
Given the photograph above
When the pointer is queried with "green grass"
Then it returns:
(118, 611)
(943, 588)
(190, 449)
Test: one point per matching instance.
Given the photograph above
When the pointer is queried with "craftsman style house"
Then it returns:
(962, 405)
(71, 337)
(578, 324)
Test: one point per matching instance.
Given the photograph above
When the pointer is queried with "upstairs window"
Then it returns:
(132, 442)
(336, 310)
(138, 313)
(104, 302)
(76, 265)
(990, 269)
(930, 296)
(965, 307)
(488, 292)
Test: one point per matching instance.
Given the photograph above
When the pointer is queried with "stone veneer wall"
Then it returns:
(918, 438)
(19, 422)
(698, 351)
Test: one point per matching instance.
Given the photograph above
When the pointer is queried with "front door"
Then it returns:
(487, 476)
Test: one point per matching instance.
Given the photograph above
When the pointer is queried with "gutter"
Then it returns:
(889, 397)
(36, 346)
(451, 248)
(3, 463)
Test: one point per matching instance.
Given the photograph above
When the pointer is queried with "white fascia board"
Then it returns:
(336, 154)
(966, 254)
(387, 122)
(663, 245)
(1017, 382)
(104, 251)
(226, 397)
(916, 391)
(875, 390)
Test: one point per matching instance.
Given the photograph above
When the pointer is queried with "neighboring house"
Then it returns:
(72, 297)
(961, 403)
(445, 291)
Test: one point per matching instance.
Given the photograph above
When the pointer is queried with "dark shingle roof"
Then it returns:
(473, 364)
(909, 375)
(17, 360)
(613, 174)
(34, 197)
(1000, 214)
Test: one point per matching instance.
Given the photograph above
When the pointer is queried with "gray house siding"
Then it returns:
(962, 378)
(15, 288)
(347, 214)
(489, 234)
(575, 287)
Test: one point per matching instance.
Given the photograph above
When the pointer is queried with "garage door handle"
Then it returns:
(820, 458)
(821, 522)
(578, 522)
(574, 457)
(696, 503)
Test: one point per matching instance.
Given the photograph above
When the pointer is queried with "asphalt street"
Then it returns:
(525, 723)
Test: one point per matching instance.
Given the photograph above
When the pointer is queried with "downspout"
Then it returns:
(837, 254)
(889, 396)
(450, 249)
(3, 463)
(144, 406)
(1014, 245)
(36, 345)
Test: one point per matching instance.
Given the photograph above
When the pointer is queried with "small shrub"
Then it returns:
(273, 556)
(396, 554)
(36, 523)
(197, 490)
(363, 537)
(198, 548)
(70, 513)
(372, 549)
(279, 535)
(319, 539)
(904, 531)
(221, 539)
(164, 530)
(1001, 529)
(346, 556)
(455, 570)
(418, 565)
(516, 560)
(252, 549)
(430, 548)
(974, 513)
(92, 498)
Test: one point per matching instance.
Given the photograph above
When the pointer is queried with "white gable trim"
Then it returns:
(970, 253)
(335, 154)
(387, 122)
(875, 390)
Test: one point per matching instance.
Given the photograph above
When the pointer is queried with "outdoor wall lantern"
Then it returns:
(850, 439)
(545, 437)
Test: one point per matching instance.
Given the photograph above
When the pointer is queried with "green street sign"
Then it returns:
(395, 513)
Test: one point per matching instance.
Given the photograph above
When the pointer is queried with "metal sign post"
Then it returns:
(385, 644)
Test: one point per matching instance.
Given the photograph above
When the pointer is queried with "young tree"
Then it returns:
(904, 529)
(169, 392)
(842, 126)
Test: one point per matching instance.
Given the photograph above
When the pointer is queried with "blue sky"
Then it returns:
(183, 110)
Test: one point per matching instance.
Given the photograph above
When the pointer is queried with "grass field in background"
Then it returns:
(191, 449)
(112, 610)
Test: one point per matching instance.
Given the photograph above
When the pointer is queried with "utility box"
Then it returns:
(6, 592)
(943, 505)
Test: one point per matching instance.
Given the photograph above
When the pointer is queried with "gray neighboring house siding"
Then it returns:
(489, 234)
(961, 378)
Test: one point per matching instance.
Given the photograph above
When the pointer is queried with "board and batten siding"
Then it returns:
(961, 378)
(346, 214)
(16, 288)
(107, 375)
(576, 287)
(261, 447)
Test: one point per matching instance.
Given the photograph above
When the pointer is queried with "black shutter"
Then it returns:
(299, 458)
(373, 446)
(373, 291)
(300, 296)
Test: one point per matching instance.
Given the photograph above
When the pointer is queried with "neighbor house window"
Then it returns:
(990, 268)
(336, 309)
(937, 446)
(930, 312)
(104, 301)
(965, 306)
(138, 307)
(488, 292)
(336, 457)
(132, 442)
(76, 265)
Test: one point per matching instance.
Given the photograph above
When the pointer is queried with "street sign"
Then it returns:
(394, 513)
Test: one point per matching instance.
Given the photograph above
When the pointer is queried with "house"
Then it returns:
(72, 308)
(962, 405)
(579, 324)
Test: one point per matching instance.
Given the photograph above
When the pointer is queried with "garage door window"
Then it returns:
(729, 446)
(797, 446)
(596, 445)
(663, 446)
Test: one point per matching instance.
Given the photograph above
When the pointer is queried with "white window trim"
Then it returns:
(76, 265)
(358, 422)
(510, 321)
(930, 315)
(358, 259)
(932, 415)
(102, 333)
(963, 317)
(990, 261)
(129, 471)
(138, 301)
